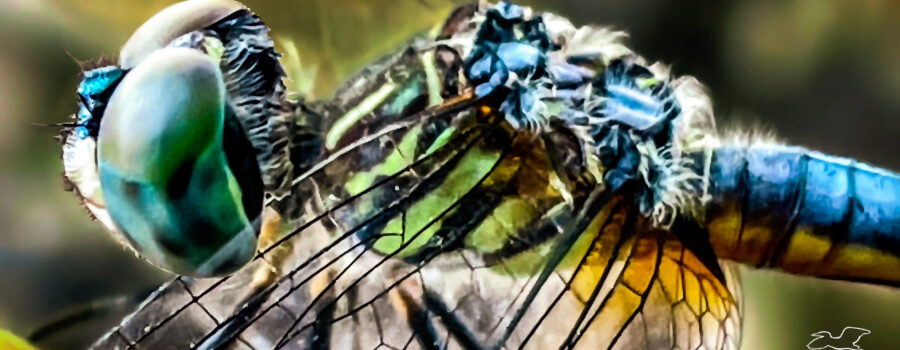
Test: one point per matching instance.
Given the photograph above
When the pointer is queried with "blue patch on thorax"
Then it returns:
(505, 44)
(643, 106)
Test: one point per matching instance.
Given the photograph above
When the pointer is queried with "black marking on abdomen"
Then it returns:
(794, 196)
(744, 188)
(784, 238)
(840, 236)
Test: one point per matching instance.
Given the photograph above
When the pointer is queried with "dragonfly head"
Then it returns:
(172, 149)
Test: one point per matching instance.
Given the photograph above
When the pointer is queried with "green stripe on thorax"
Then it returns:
(397, 190)
(354, 115)
(432, 79)
(411, 78)
(470, 170)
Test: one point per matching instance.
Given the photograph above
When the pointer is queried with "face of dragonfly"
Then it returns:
(159, 152)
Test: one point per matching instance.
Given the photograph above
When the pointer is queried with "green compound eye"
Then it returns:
(173, 22)
(164, 172)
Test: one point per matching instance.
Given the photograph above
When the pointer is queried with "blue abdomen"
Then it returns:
(805, 212)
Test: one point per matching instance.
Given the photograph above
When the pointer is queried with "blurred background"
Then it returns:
(824, 74)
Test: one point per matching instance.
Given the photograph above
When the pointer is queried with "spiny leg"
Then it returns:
(274, 257)
(320, 337)
(411, 308)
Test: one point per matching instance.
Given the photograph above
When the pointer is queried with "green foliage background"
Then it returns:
(824, 74)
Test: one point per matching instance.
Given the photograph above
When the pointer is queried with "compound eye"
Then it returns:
(163, 169)
(240, 43)
(171, 23)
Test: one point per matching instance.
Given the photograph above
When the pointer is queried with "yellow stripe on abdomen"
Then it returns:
(805, 213)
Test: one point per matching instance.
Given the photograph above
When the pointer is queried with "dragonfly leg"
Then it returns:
(406, 303)
(320, 338)
(419, 307)
(267, 273)
(457, 328)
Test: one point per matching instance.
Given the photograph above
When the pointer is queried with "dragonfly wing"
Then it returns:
(626, 292)
(614, 290)
(685, 307)
(171, 317)
(656, 294)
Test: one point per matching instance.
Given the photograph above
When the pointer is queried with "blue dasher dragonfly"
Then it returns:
(506, 181)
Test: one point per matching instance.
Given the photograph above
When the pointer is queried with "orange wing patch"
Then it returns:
(662, 297)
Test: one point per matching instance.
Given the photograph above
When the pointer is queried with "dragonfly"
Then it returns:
(505, 181)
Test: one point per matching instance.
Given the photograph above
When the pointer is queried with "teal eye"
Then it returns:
(164, 172)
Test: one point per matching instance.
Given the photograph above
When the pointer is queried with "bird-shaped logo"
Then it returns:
(823, 340)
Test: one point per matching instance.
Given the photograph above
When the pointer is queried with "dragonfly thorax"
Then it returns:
(174, 147)
(621, 113)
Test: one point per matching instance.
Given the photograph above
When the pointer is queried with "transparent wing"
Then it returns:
(644, 291)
